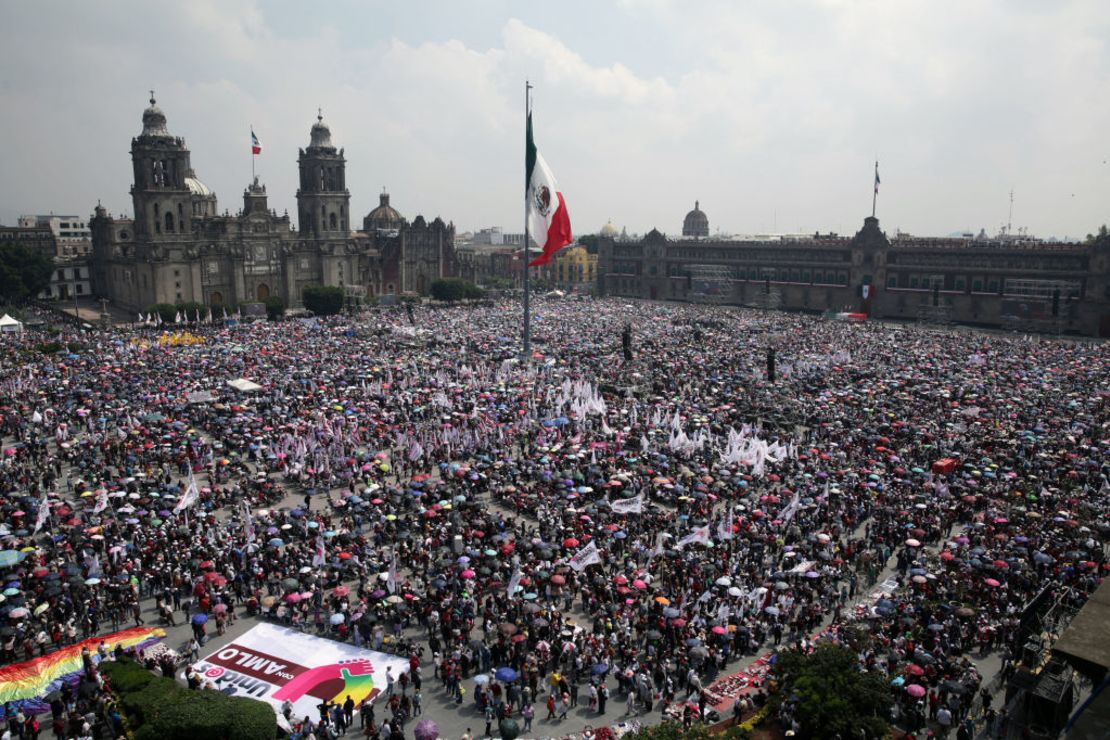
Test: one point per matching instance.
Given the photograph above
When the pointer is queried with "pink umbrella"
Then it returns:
(913, 543)
(639, 585)
(991, 582)
(915, 690)
(467, 574)
(219, 608)
(293, 598)
(719, 630)
(342, 591)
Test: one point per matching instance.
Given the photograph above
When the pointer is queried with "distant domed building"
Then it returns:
(696, 223)
(609, 230)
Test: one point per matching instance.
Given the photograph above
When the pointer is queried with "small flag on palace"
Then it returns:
(547, 210)
(876, 177)
(256, 145)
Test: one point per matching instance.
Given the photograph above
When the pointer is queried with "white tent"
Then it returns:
(244, 386)
(7, 323)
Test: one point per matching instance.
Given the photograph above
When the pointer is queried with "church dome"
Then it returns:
(696, 222)
(384, 216)
(195, 186)
(154, 120)
(321, 134)
(609, 230)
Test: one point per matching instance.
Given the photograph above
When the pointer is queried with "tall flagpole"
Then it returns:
(253, 155)
(527, 317)
(875, 189)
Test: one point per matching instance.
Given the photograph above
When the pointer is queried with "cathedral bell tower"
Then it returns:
(161, 196)
(323, 199)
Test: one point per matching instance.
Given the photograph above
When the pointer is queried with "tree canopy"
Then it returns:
(24, 272)
(455, 289)
(323, 300)
(829, 695)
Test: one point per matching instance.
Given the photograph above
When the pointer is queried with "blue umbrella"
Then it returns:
(277, 542)
(600, 669)
(8, 558)
(337, 619)
(505, 674)
(200, 618)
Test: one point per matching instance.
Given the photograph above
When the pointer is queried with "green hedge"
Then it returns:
(161, 709)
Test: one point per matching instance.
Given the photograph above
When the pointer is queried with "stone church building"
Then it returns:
(178, 248)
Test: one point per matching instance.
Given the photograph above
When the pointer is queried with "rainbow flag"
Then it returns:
(25, 684)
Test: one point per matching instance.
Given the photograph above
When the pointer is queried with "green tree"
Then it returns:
(24, 272)
(167, 311)
(275, 307)
(455, 289)
(1102, 235)
(589, 241)
(831, 696)
(323, 300)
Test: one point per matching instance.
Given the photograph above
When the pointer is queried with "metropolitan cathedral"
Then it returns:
(179, 249)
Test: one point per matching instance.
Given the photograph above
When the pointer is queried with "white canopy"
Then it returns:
(7, 323)
(244, 386)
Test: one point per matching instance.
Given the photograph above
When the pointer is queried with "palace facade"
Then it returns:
(1012, 283)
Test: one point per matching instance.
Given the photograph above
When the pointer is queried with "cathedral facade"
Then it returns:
(178, 248)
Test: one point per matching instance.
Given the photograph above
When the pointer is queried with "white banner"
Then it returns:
(588, 555)
(272, 664)
(628, 506)
(698, 536)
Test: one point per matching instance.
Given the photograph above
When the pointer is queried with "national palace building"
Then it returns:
(178, 248)
(1009, 282)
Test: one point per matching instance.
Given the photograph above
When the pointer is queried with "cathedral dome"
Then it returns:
(154, 120)
(696, 222)
(609, 230)
(321, 134)
(195, 186)
(384, 216)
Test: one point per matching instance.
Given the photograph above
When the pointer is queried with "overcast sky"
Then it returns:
(769, 113)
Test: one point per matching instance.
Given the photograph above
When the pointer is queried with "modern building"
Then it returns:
(178, 248)
(1010, 283)
(39, 238)
(70, 232)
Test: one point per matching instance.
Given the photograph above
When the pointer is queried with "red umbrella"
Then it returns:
(570, 542)
(991, 582)
(915, 670)
(342, 591)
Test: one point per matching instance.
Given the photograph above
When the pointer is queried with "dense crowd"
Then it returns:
(442, 488)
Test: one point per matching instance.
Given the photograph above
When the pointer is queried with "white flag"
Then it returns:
(101, 501)
(791, 508)
(248, 523)
(724, 529)
(588, 555)
(700, 536)
(514, 580)
(320, 557)
(633, 505)
(658, 549)
(44, 512)
(192, 493)
(177, 318)
(391, 580)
